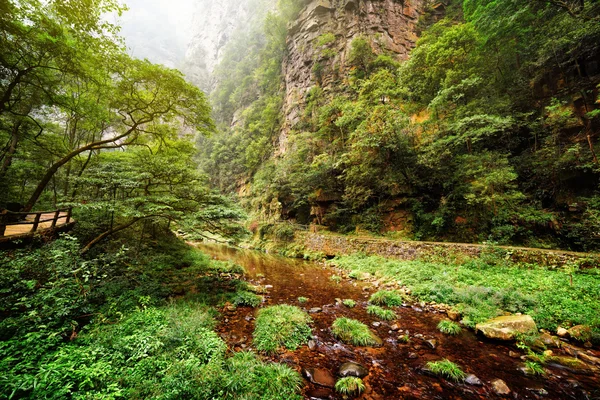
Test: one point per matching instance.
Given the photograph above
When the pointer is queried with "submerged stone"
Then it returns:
(319, 376)
(500, 387)
(352, 369)
(473, 380)
(507, 327)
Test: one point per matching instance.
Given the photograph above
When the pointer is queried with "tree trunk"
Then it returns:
(12, 149)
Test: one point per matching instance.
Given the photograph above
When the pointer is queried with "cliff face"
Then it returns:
(389, 26)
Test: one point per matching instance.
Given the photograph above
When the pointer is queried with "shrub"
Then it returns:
(449, 327)
(388, 298)
(350, 386)
(382, 313)
(447, 369)
(281, 325)
(353, 332)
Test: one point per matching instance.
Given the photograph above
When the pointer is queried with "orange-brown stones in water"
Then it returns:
(500, 387)
(319, 376)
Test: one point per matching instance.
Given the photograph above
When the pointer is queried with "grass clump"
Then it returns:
(388, 298)
(281, 326)
(350, 386)
(449, 327)
(447, 369)
(349, 303)
(302, 300)
(354, 332)
(534, 368)
(381, 313)
(245, 298)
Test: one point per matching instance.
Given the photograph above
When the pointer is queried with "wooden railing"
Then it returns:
(9, 218)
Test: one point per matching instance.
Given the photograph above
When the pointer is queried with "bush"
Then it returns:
(281, 326)
(353, 332)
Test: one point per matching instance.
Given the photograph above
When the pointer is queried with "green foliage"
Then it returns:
(302, 300)
(381, 313)
(349, 303)
(243, 298)
(350, 386)
(482, 289)
(447, 369)
(388, 298)
(353, 332)
(335, 278)
(281, 326)
(534, 368)
(449, 327)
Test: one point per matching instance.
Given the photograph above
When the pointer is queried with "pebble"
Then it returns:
(500, 388)
(432, 343)
(413, 356)
(352, 369)
(312, 344)
(473, 380)
(394, 327)
(376, 324)
(562, 332)
(315, 310)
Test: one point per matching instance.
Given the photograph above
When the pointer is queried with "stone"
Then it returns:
(413, 356)
(318, 394)
(550, 341)
(431, 343)
(376, 324)
(395, 327)
(312, 345)
(315, 310)
(505, 328)
(473, 380)
(500, 388)
(352, 369)
(453, 315)
(513, 354)
(320, 376)
(562, 332)
(582, 333)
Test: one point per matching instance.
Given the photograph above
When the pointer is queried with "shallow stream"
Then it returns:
(396, 368)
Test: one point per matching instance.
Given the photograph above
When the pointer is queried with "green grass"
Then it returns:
(349, 303)
(388, 298)
(447, 369)
(449, 327)
(281, 326)
(353, 332)
(484, 288)
(350, 386)
(381, 313)
(244, 298)
(302, 300)
(534, 368)
(335, 278)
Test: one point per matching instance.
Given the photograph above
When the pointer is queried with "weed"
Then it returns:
(446, 368)
(534, 368)
(281, 326)
(388, 298)
(404, 338)
(449, 327)
(350, 386)
(349, 303)
(354, 332)
(302, 300)
(382, 313)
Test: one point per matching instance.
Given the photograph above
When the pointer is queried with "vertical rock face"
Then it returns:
(214, 23)
(389, 25)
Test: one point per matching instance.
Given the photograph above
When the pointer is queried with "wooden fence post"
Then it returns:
(36, 222)
(3, 216)
(55, 220)
(69, 213)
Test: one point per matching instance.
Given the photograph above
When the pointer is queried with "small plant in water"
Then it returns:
(281, 326)
(350, 386)
(382, 313)
(349, 303)
(534, 368)
(388, 298)
(302, 300)
(336, 278)
(354, 332)
(404, 339)
(449, 327)
(446, 368)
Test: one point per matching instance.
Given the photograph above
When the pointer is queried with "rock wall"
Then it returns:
(333, 245)
(389, 25)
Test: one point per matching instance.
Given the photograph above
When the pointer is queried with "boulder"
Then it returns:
(507, 327)
(583, 333)
(352, 369)
(319, 376)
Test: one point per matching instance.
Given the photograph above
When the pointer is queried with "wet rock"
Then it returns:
(413, 356)
(505, 328)
(562, 332)
(582, 333)
(318, 394)
(431, 343)
(473, 380)
(312, 344)
(417, 309)
(315, 310)
(513, 354)
(395, 327)
(267, 287)
(499, 387)
(539, 391)
(453, 315)
(229, 307)
(571, 364)
(352, 369)
(376, 324)
(550, 341)
(319, 376)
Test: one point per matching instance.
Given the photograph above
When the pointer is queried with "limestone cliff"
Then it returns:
(389, 25)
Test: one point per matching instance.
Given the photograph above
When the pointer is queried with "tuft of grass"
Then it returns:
(350, 386)
(352, 331)
(404, 339)
(449, 327)
(382, 313)
(302, 300)
(388, 298)
(281, 326)
(336, 278)
(446, 368)
(245, 298)
(534, 368)
(349, 303)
